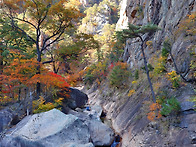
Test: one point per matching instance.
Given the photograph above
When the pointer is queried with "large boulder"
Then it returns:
(101, 134)
(56, 129)
(51, 129)
(76, 99)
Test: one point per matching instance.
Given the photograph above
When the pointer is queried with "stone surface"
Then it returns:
(77, 99)
(10, 116)
(101, 134)
(54, 128)
(130, 122)
(51, 129)
(77, 145)
(5, 119)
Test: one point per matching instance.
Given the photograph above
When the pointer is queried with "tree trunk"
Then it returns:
(177, 71)
(19, 94)
(147, 71)
(1, 66)
(38, 87)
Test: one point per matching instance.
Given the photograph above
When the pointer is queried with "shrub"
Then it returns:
(170, 106)
(95, 72)
(174, 78)
(164, 52)
(160, 65)
(40, 105)
(119, 75)
(154, 112)
(131, 92)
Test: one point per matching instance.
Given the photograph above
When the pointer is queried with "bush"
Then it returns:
(164, 52)
(174, 78)
(119, 75)
(95, 72)
(40, 105)
(160, 66)
(171, 106)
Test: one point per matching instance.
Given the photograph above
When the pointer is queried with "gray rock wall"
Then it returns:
(167, 14)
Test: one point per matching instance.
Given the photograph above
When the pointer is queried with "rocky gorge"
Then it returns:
(124, 114)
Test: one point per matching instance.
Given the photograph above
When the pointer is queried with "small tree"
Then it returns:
(134, 31)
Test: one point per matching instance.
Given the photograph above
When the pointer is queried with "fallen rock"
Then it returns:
(56, 129)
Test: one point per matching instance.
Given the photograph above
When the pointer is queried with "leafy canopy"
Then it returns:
(134, 31)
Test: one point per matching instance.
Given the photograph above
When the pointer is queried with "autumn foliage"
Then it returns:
(21, 74)
(154, 112)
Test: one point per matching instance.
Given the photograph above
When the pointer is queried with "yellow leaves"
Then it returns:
(5, 99)
(131, 92)
(174, 78)
(149, 43)
(159, 67)
(172, 75)
(134, 82)
(40, 105)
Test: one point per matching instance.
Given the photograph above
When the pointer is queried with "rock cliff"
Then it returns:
(167, 14)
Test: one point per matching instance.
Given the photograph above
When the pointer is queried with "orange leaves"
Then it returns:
(19, 71)
(154, 112)
(23, 73)
(131, 92)
(154, 106)
(50, 79)
(122, 65)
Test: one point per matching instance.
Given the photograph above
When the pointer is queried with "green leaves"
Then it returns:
(170, 106)
(134, 31)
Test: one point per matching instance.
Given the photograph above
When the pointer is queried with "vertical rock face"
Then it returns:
(167, 14)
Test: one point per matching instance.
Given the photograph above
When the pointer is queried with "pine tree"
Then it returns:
(134, 31)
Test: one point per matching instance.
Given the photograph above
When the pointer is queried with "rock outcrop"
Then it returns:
(54, 128)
